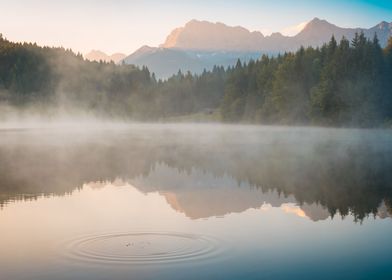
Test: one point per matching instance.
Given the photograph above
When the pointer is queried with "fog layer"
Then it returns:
(346, 171)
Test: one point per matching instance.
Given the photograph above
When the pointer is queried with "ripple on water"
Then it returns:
(143, 248)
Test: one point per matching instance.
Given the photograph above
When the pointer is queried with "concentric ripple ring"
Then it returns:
(142, 248)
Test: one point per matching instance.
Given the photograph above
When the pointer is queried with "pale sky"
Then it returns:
(124, 26)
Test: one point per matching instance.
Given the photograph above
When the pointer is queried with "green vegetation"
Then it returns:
(337, 84)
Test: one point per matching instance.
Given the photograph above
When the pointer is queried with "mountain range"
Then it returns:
(96, 55)
(201, 44)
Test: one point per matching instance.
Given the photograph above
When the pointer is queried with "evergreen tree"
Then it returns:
(336, 84)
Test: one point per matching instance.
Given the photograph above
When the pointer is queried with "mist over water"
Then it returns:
(219, 154)
(109, 199)
(316, 165)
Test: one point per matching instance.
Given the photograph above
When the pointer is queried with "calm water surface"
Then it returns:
(195, 202)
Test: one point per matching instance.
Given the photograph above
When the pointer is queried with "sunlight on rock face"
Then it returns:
(294, 210)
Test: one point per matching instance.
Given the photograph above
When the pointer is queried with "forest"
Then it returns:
(338, 84)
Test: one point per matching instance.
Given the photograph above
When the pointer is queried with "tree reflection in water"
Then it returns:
(344, 171)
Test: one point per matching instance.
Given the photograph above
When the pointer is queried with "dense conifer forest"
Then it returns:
(339, 84)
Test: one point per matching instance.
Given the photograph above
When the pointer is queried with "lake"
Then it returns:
(200, 201)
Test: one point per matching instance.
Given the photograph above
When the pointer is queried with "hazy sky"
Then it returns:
(124, 26)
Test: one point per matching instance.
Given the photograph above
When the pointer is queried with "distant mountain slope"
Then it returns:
(207, 36)
(317, 32)
(165, 62)
(201, 44)
(383, 30)
(96, 55)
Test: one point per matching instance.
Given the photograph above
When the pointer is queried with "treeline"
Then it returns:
(337, 84)
(340, 83)
(32, 75)
(57, 77)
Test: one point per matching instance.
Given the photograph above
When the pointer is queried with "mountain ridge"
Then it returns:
(97, 55)
(209, 36)
(201, 44)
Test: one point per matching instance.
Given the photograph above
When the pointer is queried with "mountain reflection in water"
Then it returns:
(207, 170)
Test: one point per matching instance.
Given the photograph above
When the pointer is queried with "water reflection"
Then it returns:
(194, 202)
(206, 171)
(142, 248)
